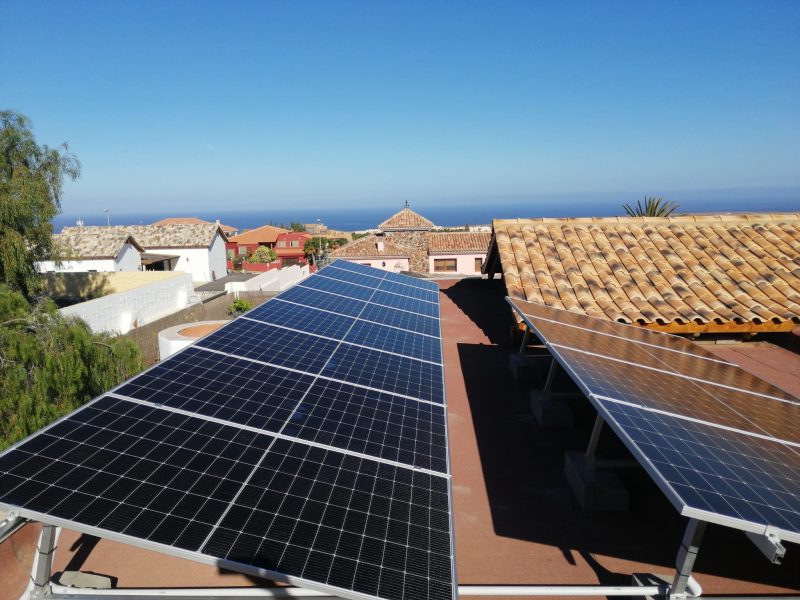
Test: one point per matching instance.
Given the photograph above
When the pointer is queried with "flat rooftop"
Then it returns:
(516, 520)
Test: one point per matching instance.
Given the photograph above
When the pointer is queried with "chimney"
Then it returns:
(379, 245)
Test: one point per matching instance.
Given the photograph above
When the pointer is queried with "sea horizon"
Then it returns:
(444, 215)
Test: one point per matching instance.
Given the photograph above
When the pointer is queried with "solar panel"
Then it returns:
(722, 444)
(304, 442)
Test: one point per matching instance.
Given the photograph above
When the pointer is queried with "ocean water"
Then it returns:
(448, 215)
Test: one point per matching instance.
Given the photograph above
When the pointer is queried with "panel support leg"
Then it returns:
(687, 554)
(43, 565)
(591, 449)
(551, 375)
(526, 336)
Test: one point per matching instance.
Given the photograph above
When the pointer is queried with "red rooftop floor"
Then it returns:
(516, 521)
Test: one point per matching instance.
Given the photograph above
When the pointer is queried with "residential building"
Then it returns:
(457, 252)
(410, 230)
(683, 274)
(375, 251)
(226, 229)
(244, 244)
(197, 249)
(98, 251)
(290, 247)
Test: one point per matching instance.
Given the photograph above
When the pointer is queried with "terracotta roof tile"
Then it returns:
(266, 234)
(676, 271)
(156, 236)
(367, 247)
(453, 242)
(192, 221)
(75, 244)
(405, 219)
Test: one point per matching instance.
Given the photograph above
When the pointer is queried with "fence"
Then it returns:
(146, 336)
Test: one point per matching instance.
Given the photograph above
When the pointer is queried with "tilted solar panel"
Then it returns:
(300, 442)
(722, 444)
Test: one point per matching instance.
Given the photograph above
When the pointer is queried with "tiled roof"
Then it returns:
(192, 221)
(75, 244)
(686, 273)
(455, 242)
(161, 236)
(405, 219)
(367, 247)
(266, 234)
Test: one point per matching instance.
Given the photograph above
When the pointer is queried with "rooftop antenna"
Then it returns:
(407, 206)
(79, 222)
(108, 216)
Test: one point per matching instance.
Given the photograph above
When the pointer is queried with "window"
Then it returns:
(243, 251)
(294, 243)
(441, 265)
(230, 253)
(282, 244)
(478, 264)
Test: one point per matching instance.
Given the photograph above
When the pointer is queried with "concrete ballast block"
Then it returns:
(595, 489)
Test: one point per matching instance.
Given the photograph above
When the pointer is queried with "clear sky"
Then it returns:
(247, 104)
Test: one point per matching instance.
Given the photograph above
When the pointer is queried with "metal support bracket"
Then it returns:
(525, 337)
(769, 544)
(43, 564)
(10, 523)
(687, 554)
(594, 439)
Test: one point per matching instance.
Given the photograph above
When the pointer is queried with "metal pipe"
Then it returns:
(594, 439)
(295, 592)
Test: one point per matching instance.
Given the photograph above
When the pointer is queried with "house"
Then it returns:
(290, 247)
(683, 274)
(375, 251)
(197, 249)
(227, 229)
(97, 251)
(459, 252)
(244, 244)
(410, 230)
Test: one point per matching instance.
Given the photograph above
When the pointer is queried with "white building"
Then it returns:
(460, 252)
(94, 252)
(375, 251)
(197, 249)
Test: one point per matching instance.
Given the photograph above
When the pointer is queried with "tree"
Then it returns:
(31, 183)
(50, 365)
(296, 226)
(652, 207)
(263, 254)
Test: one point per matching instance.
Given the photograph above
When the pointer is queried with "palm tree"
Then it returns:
(652, 207)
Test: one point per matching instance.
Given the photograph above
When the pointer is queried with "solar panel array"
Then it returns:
(722, 444)
(304, 441)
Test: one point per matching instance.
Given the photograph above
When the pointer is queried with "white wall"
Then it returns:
(128, 259)
(465, 263)
(391, 264)
(201, 263)
(217, 259)
(120, 312)
(275, 280)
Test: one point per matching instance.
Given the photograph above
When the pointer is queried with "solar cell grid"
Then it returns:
(408, 291)
(403, 303)
(322, 300)
(402, 319)
(303, 318)
(387, 372)
(406, 343)
(387, 275)
(683, 362)
(274, 345)
(684, 397)
(714, 470)
(222, 387)
(343, 521)
(334, 286)
(369, 281)
(415, 281)
(369, 422)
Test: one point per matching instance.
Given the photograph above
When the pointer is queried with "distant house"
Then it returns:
(197, 249)
(98, 251)
(375, 251)
(457, 252)
(244, 244)
(290, 248)
(226, 229)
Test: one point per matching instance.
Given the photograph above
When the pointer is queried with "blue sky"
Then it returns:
(197, 105)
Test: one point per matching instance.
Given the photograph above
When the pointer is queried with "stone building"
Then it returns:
(409, 230)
